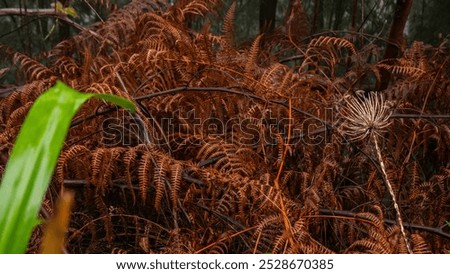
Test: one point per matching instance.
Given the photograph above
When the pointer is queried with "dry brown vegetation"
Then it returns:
(240, 149)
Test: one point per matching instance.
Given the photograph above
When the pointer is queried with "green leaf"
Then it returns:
(70, 11)
(66, 10)
(33, 159)
(59, 6)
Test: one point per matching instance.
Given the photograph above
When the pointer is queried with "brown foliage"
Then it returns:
(231, 149)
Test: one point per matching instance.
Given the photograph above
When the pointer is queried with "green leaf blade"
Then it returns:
(33, 160)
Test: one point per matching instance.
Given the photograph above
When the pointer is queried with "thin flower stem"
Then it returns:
(367, 117)
(391, 192)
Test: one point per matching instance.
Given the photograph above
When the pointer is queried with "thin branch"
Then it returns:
(391, 192)
(287, 223)
(345, 213)
(30, 12)
(136, 115)
(227, 90)
(419, 116)
(329, 212)
(49, 13)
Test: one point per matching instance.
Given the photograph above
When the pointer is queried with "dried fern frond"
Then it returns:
(32, 68)
(336, 41)
(228, 26)
(224, 125)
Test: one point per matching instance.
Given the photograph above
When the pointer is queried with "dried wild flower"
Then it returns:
(365, 116)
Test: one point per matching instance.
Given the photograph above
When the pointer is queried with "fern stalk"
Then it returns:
(287, 223)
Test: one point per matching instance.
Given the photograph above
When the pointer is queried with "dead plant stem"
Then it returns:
(287, 223)
(391, 192)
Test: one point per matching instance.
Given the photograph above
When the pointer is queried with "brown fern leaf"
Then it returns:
(220, 247)
(228, 203)
(117, 155)
(415, 174)
(368, 246)
(286, 177)
(375, 220)
(106, 216)
(103, 88)
(314, 247)
(23, 95)
(280, 244)
(9, 104)
(228, 27)
(302, 242)
(252, 59)
(102, 167)
(155, 26)
(285, 85)
(129, 161)
(280, 149)
(244, 200)
(384, 237)
(271, 75)
(296, 21)
(145, 174)
(406, 70)
(32, 68)
(262, 194)
(67, 67)
(266, 230)
(336, 41)
(69, 155)
(416, 53)
(420, 245)
(176, 177)
(159, 180)
(184, 10)
(312, 200)
(18, 116)
(397, 242)
(118, 32)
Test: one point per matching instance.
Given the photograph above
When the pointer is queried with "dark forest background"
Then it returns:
(428, 20)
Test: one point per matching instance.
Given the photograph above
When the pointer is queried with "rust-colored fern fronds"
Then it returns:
(235, 147)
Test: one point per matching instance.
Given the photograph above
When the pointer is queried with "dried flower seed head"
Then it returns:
(365, 116)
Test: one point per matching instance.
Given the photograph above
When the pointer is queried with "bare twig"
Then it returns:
(30, 12)
(391, 192)
(287, 223)
(345, 213)
(328, 212)
(137, 116)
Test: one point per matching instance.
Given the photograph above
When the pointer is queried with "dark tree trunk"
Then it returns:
(318, 16)
(396, 40)
(354, 14)
(338, 14)
(267, 12)
(296, 21)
